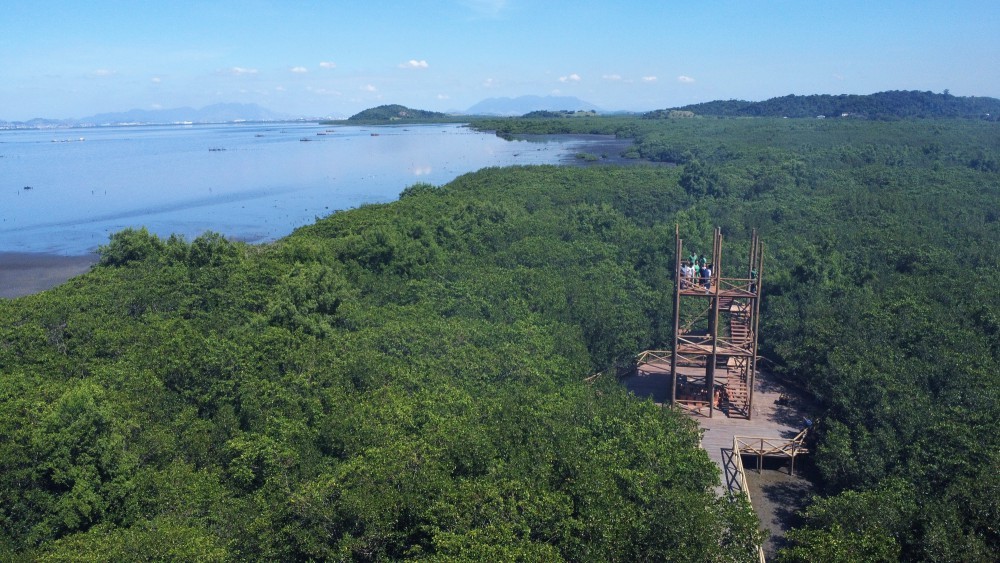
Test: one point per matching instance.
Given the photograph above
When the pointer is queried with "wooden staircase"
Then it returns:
(739, 319)
(737, 398)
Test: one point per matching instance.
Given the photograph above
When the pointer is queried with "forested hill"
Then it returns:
(394, 112)
(882, 105)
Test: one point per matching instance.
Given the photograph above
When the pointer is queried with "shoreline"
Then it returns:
(27, 273)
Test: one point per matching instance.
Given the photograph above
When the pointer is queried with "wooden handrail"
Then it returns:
(663, 355)
(742, 476)
(780, 447)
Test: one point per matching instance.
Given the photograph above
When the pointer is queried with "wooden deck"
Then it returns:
(768, 419)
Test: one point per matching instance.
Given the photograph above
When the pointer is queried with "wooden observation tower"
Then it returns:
(714, 357)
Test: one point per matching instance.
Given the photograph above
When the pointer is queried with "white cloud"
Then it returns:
(240, 71)
(685, 79)
(486, 8)
(327, 64)
(369, 88)
(103, 73)
(571, 78)
(413, 63)
(443, 97)
(489, 83)
(649, 79)
(299, 69)
(612, 77)
(279, 88)
(156, 80)
(156, 106)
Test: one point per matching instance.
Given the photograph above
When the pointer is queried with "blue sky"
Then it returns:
(334, 58)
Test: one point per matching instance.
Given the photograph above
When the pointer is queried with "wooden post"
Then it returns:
(678, 247)
(714, 319)
(760, 457)
(756, 322)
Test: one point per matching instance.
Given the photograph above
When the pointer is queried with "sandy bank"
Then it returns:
(26, 273)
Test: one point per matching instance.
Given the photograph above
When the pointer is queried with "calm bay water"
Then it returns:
(254, 182)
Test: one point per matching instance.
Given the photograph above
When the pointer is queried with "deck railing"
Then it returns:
(734, 287)
(653, 356)
(771, 447)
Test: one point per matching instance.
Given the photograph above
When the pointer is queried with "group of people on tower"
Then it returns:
(696, 272)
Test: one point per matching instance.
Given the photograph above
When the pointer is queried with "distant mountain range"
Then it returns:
(216, 113)
(882, 105)
(527, 104)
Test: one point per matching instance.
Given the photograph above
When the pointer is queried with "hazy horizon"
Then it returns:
(66, 60)
(258, 106)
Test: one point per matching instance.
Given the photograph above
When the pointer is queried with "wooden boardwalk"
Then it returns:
(768, 418)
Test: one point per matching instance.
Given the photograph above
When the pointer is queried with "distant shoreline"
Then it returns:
(27, 273)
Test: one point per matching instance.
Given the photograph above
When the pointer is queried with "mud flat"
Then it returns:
(777, 498)
(24, 273)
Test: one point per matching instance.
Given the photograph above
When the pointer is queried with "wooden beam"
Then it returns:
(678, 248)
(714, 324)
(756, 316)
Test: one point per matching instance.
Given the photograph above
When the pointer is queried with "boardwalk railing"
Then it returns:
(771, 447)
(741, 477)
(653, 357)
